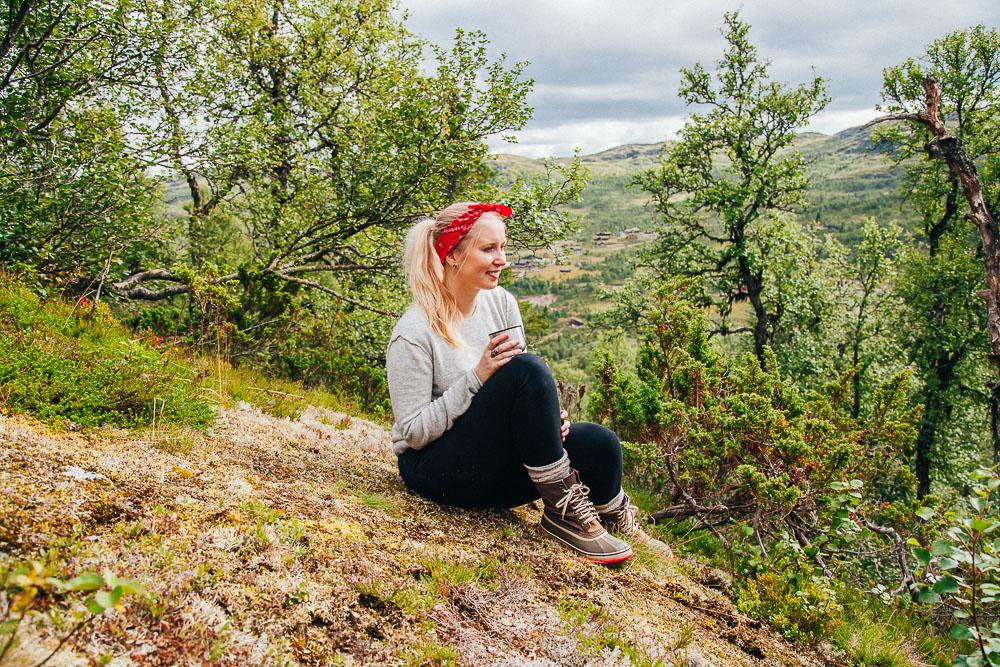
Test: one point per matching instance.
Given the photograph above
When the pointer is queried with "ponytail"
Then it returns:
(425, 276)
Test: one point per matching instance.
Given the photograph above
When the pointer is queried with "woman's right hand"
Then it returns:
(497, 353)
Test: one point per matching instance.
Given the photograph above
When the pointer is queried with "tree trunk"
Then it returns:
(951, 149)
(994, 388)
(937, 411)
(755, 286)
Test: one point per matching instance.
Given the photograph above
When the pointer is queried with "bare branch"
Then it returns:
(334, 293)
(900, 550)
(918, 118)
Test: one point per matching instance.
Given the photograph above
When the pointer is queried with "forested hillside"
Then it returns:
(850, 179)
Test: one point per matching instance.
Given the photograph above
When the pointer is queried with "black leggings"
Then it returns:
(512, 421)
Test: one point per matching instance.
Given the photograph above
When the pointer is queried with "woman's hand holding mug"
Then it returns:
(497, 353)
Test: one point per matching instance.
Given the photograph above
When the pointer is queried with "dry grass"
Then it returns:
(292, 541)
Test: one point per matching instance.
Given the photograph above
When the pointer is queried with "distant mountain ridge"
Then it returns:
(858, 138)
(851, 178)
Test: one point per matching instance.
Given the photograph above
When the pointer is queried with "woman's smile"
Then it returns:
(482, 255)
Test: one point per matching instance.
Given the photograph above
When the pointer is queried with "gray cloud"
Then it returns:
(607, 72)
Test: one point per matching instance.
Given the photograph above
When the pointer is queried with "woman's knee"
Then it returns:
(594, 442)
(530, 367)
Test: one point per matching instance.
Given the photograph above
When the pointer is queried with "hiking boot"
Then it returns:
(570, 517)
(623, 521)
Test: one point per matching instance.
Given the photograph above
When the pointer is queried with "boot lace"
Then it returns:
(577, 500)
(626, 522)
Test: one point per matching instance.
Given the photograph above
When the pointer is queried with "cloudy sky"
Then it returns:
(606, 72)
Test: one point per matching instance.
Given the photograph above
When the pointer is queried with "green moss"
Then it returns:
(430, 652)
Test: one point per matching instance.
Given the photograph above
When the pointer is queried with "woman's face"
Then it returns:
(482, 254)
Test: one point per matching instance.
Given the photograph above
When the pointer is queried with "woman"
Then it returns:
(477, 422)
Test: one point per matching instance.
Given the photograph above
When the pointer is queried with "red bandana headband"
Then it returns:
(461, 225)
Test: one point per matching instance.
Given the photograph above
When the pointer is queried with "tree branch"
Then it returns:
(334, 293)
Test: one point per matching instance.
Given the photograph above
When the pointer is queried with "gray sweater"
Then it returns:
(432, 383)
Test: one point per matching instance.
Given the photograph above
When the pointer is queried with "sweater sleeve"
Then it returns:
(420, 418)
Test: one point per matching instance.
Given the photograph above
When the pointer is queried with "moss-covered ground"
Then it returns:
(292, 541)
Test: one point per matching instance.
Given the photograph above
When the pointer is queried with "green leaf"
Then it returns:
(978, 503)
(131, 587)
(947, 563)
(94, 607)
(925, 513)
(941, 548)
(922, 555)
(984, 525)
(946, 585)
(8, 627)
(927, 596)
(959, 631)
(87, 581)
(108, 599)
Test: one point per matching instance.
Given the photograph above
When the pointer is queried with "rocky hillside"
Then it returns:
(271, 541)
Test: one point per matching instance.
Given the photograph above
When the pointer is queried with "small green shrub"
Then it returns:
(72, 363)
(960, 571)
(798, 607)
(22, 587)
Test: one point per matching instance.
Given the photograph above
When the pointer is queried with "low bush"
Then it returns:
(799, 499)
(72, 363)
(800, 608)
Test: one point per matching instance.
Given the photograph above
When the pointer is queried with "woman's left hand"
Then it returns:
(564, 427)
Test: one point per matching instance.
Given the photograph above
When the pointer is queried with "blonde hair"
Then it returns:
(425, 273)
